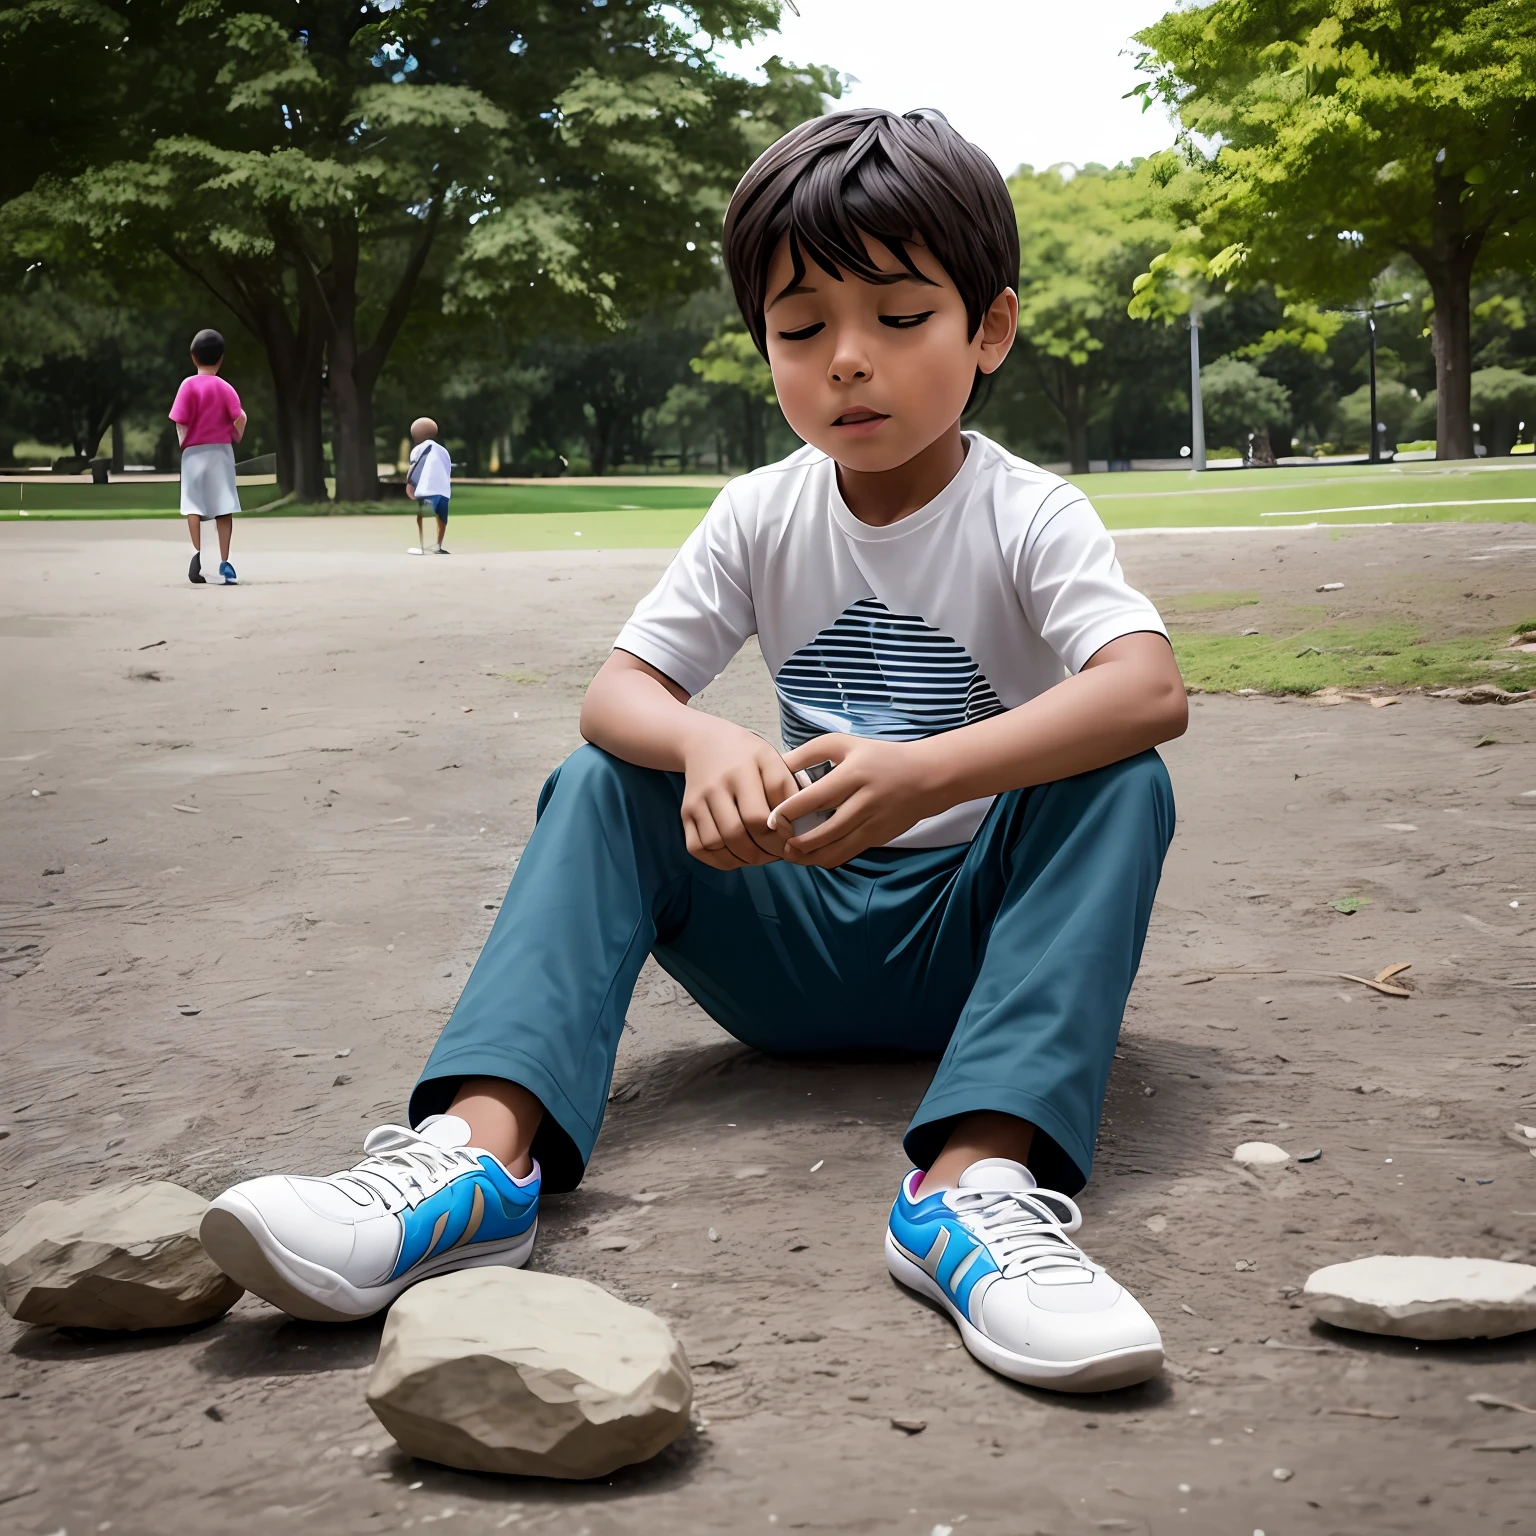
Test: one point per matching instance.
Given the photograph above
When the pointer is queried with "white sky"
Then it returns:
(1031, 81)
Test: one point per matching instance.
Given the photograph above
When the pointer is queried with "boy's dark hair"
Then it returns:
(898, 178)
(207, 347)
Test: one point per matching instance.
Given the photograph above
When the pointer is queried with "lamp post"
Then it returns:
(1196, 406)
(1369, 311)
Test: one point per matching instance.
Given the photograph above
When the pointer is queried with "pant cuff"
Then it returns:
(1058, 1158)
(563, 1142)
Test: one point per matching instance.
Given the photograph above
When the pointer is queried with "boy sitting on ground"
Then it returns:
(949, 627)
(430, 480)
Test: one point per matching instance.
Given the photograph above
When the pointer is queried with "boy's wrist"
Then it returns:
(936, 767)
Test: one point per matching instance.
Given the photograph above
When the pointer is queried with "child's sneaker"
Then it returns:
(195, 572)
(227, 571)
(331, 1249)
(995, 1254)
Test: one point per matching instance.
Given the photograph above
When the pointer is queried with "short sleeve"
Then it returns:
(181, 407)
(1071, 585)
(696, 618)
(232, 398)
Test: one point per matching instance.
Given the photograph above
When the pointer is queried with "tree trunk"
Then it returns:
(294, 357)
(756, 453)
(1447, 262)
(350, 383)
(1452, 337)
(357, 454)
(1074, 416)
(353, 368)
(300, 437)
(117, 445)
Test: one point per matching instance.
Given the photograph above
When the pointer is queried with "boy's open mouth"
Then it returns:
(860, 416)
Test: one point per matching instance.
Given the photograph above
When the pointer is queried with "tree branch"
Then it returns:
(246, 317)
(371, 359)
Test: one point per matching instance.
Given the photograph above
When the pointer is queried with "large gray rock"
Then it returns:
(1426, 1298)
(507, 1370)
(123, 1257)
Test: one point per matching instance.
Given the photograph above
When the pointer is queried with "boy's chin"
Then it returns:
(877, 455)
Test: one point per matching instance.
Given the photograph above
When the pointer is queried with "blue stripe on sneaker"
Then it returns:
(938, 1242)
(441, 1222)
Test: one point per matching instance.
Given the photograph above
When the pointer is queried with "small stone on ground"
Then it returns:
(117, 1258)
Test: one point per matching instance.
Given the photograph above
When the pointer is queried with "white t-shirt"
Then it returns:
(435, 473)
(995, 591)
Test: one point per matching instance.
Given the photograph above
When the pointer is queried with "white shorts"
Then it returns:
(208, 487)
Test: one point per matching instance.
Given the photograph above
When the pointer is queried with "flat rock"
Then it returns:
(507, 1370)
(1426, 1298)
(123, 1257)
(1260, 1154)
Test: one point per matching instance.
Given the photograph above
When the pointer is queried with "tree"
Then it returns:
(1504, 405)
(1084, 234)
(731, 362)
(76, 361)
(1398, 408)
(1504, 401)
(324, 169)
(1239, 401)
(1348, 132)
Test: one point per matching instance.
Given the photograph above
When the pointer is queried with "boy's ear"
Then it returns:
(999, 326)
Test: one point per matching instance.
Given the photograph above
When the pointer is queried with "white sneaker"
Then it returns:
(994, 1253)
(419, 1203)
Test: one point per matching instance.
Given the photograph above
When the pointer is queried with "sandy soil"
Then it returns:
(249, 984)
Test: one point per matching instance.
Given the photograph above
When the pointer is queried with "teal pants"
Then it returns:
(1010, 956)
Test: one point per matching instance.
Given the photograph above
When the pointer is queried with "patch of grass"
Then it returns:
(1210, 602)
(650, 528)
(1483, 491)
(1381, 655)
(1278, 498)
(523, 676)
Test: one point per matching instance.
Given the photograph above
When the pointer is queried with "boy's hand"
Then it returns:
(733, 777)
(877, 790)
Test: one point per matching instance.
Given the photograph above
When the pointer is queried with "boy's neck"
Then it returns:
(886, 496)
(209, 368)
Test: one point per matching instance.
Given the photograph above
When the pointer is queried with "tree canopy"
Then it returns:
(1349, 132)
(1084, 234)
(328, 171)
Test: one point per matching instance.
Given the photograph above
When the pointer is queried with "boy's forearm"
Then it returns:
(637, 714)
(1132, 700)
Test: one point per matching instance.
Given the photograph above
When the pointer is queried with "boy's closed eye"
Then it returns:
(895, 322)
(906, 322)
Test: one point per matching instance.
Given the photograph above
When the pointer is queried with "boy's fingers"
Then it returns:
(817, 750)
(777, 781)
(733, 831)
(702, 836)
(845, 823)
(835, 844)
(817, 798)
(753, 805)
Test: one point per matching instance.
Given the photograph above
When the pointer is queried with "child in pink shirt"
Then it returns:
(209, 422)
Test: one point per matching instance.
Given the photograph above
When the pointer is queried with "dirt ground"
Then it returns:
(229, 942)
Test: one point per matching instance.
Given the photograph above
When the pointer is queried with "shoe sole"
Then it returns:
(236, 1238)
(1098, 1373)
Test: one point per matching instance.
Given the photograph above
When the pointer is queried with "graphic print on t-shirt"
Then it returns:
(872, 672)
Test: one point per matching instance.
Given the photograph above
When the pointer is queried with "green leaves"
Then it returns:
(731, 358)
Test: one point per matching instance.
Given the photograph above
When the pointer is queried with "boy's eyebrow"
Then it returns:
(896, 277)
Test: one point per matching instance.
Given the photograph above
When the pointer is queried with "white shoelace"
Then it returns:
(401, 1176)
(1022, 1230)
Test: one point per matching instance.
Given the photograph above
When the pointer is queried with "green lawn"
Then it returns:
(1349, 656)
(553, 516)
